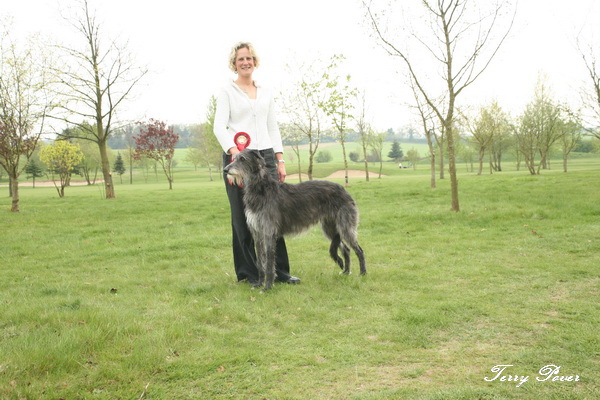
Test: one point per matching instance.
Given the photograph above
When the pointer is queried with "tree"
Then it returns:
(539, 127)
(489, 127)
(33, 170)
(157, 142)
(323, 156)
(467, 154)
(591, 94)
(120, 138)
(502, 142)
(119, 166)
(205, 148)
(428, 121)
(92, 162)
(376, 145)
(25, 102)
(396, 152)
(61, 158)
(337, 104)
(413, 156)
(459, 40)
(571, 136)
(302, 105)
(206, 142)
(194, 157)
(364, 130)
(97, 79)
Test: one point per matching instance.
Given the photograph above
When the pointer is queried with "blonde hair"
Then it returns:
(233, 54)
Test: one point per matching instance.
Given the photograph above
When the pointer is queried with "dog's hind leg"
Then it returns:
(346, 253)
(331, 233)
(350, 238)
(333, 251)
(360, 253)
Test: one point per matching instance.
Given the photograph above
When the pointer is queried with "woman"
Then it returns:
(244, 106)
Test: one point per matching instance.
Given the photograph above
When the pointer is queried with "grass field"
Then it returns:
(135, 297)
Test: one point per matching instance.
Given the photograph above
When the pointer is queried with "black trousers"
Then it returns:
(244, 255)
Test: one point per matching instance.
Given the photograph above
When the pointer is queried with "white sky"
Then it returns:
(185, 44)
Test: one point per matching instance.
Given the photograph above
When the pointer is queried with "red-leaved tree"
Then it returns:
(157, 142)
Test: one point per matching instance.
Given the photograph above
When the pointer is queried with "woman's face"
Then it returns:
(244, 63)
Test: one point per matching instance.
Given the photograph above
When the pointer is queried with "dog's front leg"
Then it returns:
(261, 259)
(270, 250)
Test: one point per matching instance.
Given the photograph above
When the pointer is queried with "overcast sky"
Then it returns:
(186, 43)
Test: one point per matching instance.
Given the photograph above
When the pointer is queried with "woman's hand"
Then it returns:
(233, 152)
(281, 171)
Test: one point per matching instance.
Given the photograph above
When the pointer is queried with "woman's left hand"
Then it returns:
(281, 171)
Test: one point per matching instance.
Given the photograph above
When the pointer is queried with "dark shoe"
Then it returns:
(292, 280)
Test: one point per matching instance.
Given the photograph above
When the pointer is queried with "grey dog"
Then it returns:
(275, 209)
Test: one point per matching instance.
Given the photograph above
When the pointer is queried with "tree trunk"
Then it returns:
(311, 157)
(433, 184)
(14, 191)
(442, 160)
(452, 163)
(108, 183)
(131, 166)
(364, 146)
(345, 162)
(432, 152)
(481, 153)
(565, 164)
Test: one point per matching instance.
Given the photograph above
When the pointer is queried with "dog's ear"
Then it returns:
(255, 153)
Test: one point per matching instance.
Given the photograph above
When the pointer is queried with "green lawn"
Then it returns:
(136, 297)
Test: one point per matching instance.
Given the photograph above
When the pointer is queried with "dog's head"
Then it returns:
(245, 164)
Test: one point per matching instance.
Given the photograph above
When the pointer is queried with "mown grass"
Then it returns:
(136, 297)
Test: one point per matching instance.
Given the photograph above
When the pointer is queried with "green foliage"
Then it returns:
(584, 146)
(119, 166)
(512, 279)
(413, 156)
(396, 152)
(323, 156)
(354, 156)
(34, 170)
(61, 158)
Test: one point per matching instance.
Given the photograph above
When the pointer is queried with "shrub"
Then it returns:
(323, 156)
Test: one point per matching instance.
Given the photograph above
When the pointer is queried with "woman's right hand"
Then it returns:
(233, 152)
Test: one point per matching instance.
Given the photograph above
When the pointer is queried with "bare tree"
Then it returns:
(433, 139)
(300, 104)
(539, 128)
(338, 104)
(294, 138)
(591, 94)
(460, 40)
(489, 127)
(25, 102)
(364, 129)
(98, 79)
(571, 135)
(376, 140)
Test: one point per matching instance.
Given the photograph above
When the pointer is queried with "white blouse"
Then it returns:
(236, 112)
